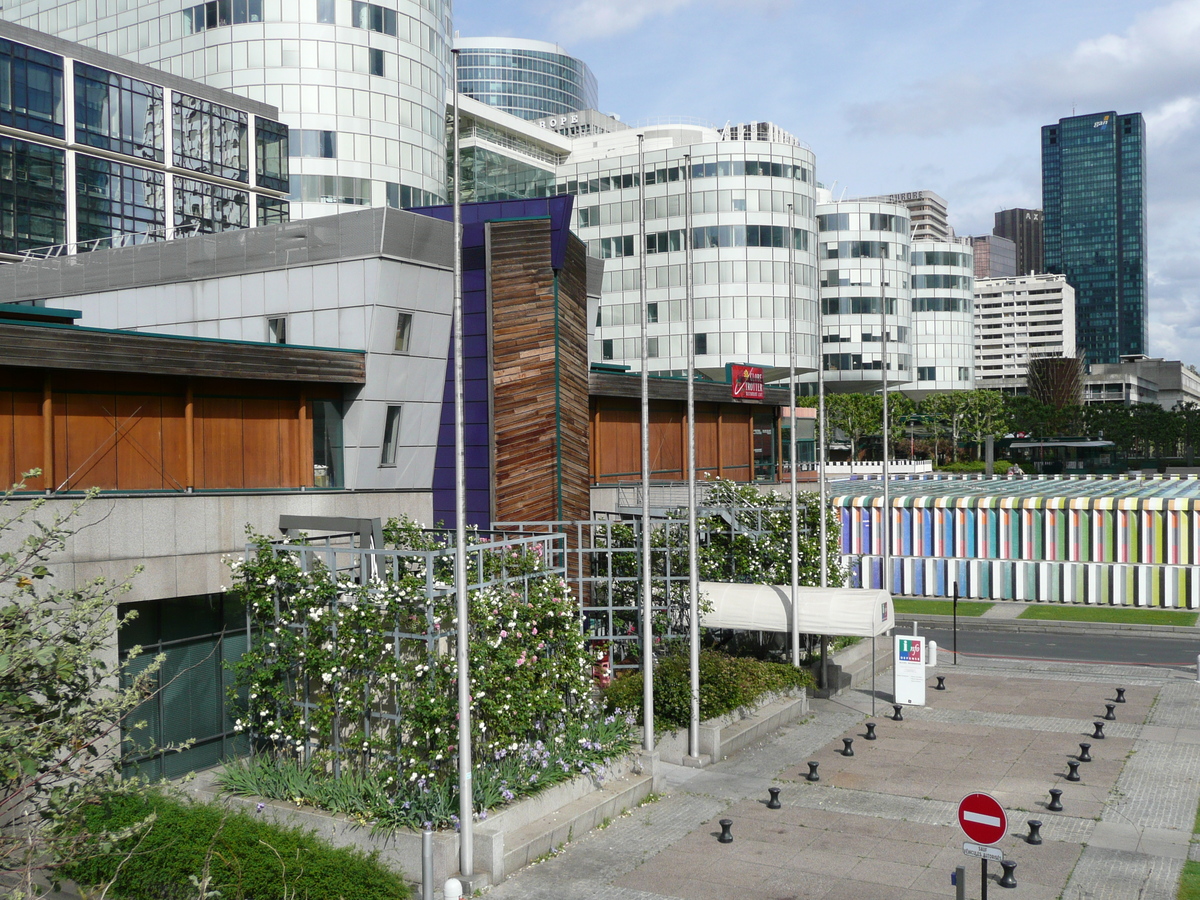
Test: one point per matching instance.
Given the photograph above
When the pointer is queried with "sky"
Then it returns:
(892, 96)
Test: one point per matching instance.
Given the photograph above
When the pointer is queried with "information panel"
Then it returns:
(908, 664)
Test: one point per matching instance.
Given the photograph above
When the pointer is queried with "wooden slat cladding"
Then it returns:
(611, 384)
(723, 440)
(528, 414)
(136, 352)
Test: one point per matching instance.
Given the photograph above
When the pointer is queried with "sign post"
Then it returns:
(908, 667)
(985, 823)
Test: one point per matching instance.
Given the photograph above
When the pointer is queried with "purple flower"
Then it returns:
(260, 807)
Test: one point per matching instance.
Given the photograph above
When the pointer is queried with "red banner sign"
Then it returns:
(747, 382)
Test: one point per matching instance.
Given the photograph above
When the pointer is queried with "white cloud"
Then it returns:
(590, 19)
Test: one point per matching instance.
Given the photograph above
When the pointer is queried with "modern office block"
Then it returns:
(1018, 319)
(1141, 379)
(995, 256)
(1024, 228)
(100, 152)
(927, 212)
(529, 79)
(362, 85)
(502, 157)
(1094, 201)
(943, 316)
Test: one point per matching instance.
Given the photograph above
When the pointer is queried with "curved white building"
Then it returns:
(528, 79)
(741, 234)
(943, 300)
(864, 268)
(362, 85)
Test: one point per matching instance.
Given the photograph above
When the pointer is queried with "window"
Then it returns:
(404, 322)
(114, 199)
(927, 373)
(702, 345)
(314, 144)
(606, 349)
(213, 207)
(391, 434)
(277, 330)
(272, 211)
(210, 138)
(31, 89)
(271, 154)
(216, 13)
(652, 347)
(373, 17)
(376, 61)
(117, 113)
(652, 313)
(964, 373)
(33, 198)
(325, 11)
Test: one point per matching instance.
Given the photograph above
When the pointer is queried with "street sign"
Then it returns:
(982, 818)
(908, 669)
(981, 852)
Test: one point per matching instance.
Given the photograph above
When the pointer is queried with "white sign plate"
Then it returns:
(908, 662)
(979, 851)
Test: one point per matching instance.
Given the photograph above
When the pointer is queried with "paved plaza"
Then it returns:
(882, 824)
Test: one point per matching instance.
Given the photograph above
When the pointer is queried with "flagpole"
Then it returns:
(795, 623)
(647, 593)
(693, 542)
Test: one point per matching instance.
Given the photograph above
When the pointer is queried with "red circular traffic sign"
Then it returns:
(982, 818)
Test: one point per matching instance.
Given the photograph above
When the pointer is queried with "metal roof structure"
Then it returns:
(1027, 492)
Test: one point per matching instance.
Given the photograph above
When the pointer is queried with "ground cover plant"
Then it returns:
(1114, 614)
(906, 607)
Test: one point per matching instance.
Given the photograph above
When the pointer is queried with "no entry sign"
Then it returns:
(982, 818)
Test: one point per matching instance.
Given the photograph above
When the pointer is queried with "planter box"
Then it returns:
(734, 731)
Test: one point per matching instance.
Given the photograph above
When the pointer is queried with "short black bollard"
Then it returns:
(1007, 880)
(1073, 775)
(1120, 695)
(1110, 715)
(848, 749)
(774, 803)
(726, 836)
(1035, 832)
(1084, 756)
(870, 735)
(898, 717)
(941, 685)
(1099, 735)
(812, 772)
(1055, 800)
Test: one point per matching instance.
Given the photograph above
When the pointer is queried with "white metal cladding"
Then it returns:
(765, 607)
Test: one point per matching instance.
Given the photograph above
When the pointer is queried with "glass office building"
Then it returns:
(1094, 227)
(529, 79)
(101, 152)
(943, 317)
(361, 84)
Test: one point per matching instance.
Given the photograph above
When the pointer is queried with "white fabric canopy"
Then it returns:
(766, 607)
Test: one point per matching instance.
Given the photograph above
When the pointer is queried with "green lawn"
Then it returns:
(1118, 614)
(939, 607)
(1189, 884)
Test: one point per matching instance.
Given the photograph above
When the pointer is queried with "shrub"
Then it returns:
(726, 683)
(243, 857)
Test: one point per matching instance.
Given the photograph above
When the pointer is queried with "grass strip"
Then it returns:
(1114, 614)
(939, 607)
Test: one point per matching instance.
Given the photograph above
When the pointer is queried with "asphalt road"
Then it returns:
(1127, 649)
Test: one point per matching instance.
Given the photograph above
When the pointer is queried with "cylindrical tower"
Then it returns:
(530, 79)
(943, 299)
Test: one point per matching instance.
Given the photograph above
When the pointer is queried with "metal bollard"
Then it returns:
(812, 772)
(1007, 880)
(1099, 735)
(898, 717)
(959, 880)
(1035, 832)
(1120, 695)
(726, 835)
(452, 890)
(1084, 756)
(932, 651)
(1198, 666)
(774, 803)
(870, 735)
(941, 685)
(848, 748)
(427, 864)
(1073, 775)
(1055, 800)
(1110, 714)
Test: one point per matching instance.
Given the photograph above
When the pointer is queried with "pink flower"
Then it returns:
(535, 631)
(503, 633)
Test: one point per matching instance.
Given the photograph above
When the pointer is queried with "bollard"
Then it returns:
(1084, 756)
(452, 889)
(870, 735)
(726, 836)
(898, 717)
(959, 880)
(1120, 695)
(427, 864)
(774, 803)
(1073, 775)
(848, 749)
(812, 772)
(941, 685)
(932, 654)
(1099, 735)
(1198, 666)
(1110, 714)
(1035, 832)
(1055, 800)
(1007, 880)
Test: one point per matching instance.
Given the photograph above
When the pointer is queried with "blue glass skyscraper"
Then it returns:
(1094, 199)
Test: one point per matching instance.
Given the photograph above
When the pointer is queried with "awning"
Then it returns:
(765, 607)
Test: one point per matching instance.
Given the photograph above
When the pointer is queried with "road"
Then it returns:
(1128, 649)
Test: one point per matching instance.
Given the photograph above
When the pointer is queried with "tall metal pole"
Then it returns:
(795, 623)
(693, 543)
(887, 506)
(821, 449)
(647, 595)
(466, 804)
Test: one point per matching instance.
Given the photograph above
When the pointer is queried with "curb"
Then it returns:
(1044, 626)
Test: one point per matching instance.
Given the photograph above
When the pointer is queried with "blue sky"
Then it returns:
(902, 96)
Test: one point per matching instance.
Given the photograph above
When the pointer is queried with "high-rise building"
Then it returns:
(943, 305)
(361, 85)
(1024, 228)
(1019, 319)
(529, 79)
(995, 256)
(1094, 201)
(927, 211)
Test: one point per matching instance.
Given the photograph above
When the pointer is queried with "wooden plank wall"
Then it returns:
(723, 440)
(526, 421)
(121, 432)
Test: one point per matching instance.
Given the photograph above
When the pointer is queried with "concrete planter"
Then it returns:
(734, 731)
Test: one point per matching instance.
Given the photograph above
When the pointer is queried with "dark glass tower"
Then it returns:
(1094, 201)
(1024, 228)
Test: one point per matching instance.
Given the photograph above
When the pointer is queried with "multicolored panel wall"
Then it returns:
(1123, 550)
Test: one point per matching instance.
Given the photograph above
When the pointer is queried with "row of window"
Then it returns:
(216, 13)
(941, 304)
(943, 282)
(704, 344)
(867, 337)
(705, 238)
(846, 221)
(702, 202)
(929, 373)
(941, 258)
(862, 250)
(855, 362)
(725, 167)
(705, 308)
(866, 276)
(856, 306)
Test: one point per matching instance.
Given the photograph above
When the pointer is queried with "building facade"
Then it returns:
(927, 212)
(995, 257)
(1024, 228)
(1142, 379)
(1094, 203)
(943, 304)
(98, 151)
(528, 79)
(362, 85)
(1019, 319)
